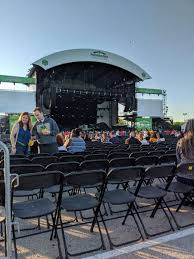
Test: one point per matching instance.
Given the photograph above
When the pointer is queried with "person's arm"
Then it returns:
(67, 143)
(54, 128)
(14, 132)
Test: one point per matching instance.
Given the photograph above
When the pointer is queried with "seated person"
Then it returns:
(132, 139)
(104, 138)
(160, 137)
(60, 142)
(75, 143)
(113, 138)
(153, 137)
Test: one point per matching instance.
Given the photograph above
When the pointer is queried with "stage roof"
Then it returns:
(91, 55)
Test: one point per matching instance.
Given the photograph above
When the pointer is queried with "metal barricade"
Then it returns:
(7, 199)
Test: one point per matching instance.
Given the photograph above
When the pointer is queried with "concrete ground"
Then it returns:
(177, 244)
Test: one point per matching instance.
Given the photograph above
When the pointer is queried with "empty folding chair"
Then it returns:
(65, 168)
(94, 164)
(153, 192)
(26, 169)
(75, 158)
(167, 159)
(123, 197)
(138, 154)
(122, 162)
(117, 155)
(38, 155)
(82, 202)
(96, 156)
(146, 160)
(17, 156)
(156, 153)
(37, 208)
(19, 161)
(44, 160)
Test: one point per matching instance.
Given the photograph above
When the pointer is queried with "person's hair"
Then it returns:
(187, 142)
(29, 124)
(60, 139)
(37, 109)
(76, 132)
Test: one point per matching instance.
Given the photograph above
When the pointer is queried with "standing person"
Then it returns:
(185, 146)
(45, 131)
(21, 134)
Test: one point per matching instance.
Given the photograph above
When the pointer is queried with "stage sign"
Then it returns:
(143, 123)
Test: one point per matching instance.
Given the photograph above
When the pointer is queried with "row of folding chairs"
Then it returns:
(78, 158)
(80, 201)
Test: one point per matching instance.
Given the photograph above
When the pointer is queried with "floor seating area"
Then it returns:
(104, 184)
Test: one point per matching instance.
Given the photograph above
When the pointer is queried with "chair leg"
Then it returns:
(14, 242)
(127, 214)
(5, 238)
(63, 235)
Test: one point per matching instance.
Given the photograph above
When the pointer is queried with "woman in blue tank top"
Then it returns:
(21, 134)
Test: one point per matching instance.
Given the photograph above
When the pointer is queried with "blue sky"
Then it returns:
(158, 35)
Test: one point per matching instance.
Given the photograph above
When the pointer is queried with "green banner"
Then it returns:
(14, 117)
(143, 123)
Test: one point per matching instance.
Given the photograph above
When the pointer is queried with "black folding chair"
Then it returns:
(75, 158)
(153, 192)
(167, 159)
(138, 154)
(19, 161)
(41, 207)
(94, 164)
(123, 196)
(26, 169)
(82, 202)
(146, 160)
(38, 155)
(95, 156)
(122, 162)
(65, 168)
(44, 160)
(117, 155)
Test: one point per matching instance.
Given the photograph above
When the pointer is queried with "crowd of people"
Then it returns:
(45, 134)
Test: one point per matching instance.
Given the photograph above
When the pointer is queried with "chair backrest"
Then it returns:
(95, 156)
(38, 155)
(26, 169)
(146, 160)
(161, 171)
(120, 162)
(156, 153)
(117, 155)
(44, 160)
(167, 158)
(94, 164)
(85, 178)
(128, 173)
(17, 156)
(19, 161)
(39, 180)
(64, 167)
(75, 158)
(138, 154)
(168, 152)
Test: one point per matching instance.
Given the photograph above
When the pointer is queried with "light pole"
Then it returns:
(184, 115)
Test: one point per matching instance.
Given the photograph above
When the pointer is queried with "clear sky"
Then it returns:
(158, 35)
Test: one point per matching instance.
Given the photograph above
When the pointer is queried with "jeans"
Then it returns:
(21, 149)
